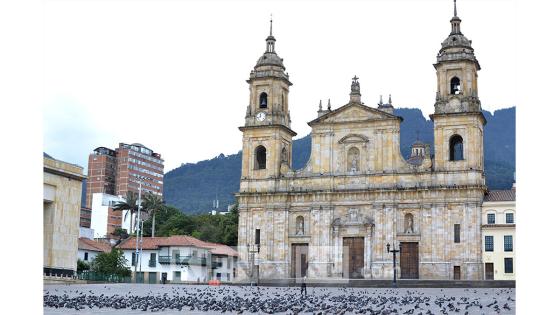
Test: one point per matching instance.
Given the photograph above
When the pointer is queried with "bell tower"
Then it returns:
(267, 137)
(458, 119)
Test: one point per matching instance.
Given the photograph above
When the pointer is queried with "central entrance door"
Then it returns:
(353, 257)
(299, 260)
(409, 260)
(489, 271)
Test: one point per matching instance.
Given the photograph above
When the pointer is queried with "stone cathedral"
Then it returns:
(357, 195)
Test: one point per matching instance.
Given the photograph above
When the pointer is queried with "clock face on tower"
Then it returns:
(261, 116)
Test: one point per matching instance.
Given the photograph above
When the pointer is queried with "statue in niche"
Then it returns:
(353, 215)
(299, 226)
(353, 158)
(409, 224)
(284, 155)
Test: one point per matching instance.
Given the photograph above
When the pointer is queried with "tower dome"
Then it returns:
(270, 58)
(456, 46)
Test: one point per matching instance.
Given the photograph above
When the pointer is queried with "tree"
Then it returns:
(153, 204)
(120, 232)
(112, 263)
(130, 205)
(82, 265)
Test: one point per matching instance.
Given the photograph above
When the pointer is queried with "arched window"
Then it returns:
(456, 148)
(263, 100)
(260, 158)
(353, 159)
(300, 225)
(455, 85)
(408, 223)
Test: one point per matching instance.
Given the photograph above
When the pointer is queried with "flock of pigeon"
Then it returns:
(271, 300)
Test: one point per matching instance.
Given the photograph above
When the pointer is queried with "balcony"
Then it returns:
(182, 260)
(152, 263)
(217, 264)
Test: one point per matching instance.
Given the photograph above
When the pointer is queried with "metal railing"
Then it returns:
(182, 260)
(93, 276)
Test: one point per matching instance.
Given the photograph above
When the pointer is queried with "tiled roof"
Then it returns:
(91, 245)
(500, 195)
(221, 249)
(177, 240)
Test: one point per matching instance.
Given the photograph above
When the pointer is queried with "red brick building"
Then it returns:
(116, 172)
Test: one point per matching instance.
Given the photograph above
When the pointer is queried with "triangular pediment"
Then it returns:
(353, 112)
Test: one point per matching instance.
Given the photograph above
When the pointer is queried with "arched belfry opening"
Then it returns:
(455, 86)
(260, 158)
(456, 148)
(263, 100)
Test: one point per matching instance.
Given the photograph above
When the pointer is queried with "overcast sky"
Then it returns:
(171, 74)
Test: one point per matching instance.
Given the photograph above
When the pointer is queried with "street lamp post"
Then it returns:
(394, 251)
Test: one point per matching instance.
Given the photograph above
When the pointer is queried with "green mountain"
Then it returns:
(193, 186)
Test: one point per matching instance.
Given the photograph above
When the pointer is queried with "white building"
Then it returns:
(498, 235)
(103, 218)
(89, 249)
(180, 258)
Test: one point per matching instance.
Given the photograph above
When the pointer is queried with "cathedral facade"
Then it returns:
(357, 197)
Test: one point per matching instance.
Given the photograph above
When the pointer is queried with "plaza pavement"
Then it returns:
(202, 299)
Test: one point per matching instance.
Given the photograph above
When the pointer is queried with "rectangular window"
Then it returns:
(508, 265)
(194, 253)
(489, 243)
(86, 256)
(457, 229)
(133, 259)
(152, 262)
(509, 218)
(508, 243)
(491, 217)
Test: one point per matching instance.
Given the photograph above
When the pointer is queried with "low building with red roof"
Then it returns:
(89, 249)
(179, 259)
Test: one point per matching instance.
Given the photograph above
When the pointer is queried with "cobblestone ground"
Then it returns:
(190, 299)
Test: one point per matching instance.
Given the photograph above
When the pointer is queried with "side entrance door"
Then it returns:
(299, 260)
(152, 277)
(489, 271)
(353, 257)
(409, 260)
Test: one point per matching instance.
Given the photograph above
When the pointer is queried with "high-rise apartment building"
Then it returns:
(116, 172)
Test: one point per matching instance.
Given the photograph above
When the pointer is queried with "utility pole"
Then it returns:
(137, 228)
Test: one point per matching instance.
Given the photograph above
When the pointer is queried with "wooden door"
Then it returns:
(489, 271)
(456, 272)
(409, 260)
(353, 257)
(300, 253)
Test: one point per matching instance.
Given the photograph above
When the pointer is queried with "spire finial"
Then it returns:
(271, 24)
(455, 7)
(320, 105)
(380, 100)
(390, 102)
(329, 105)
